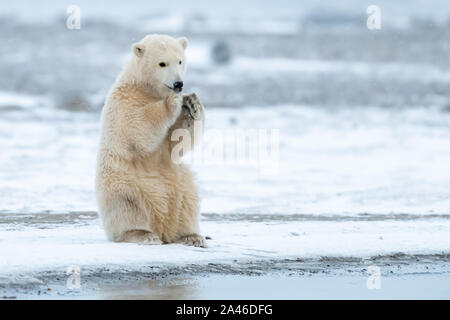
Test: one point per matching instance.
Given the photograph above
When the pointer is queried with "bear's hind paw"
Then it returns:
(195, 240)
(141, 237)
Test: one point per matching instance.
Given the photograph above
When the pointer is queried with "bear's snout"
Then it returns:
(178, 86)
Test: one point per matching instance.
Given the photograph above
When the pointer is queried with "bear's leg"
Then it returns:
(126, 218)
(191, 119)
(139, 236)
(189, 214)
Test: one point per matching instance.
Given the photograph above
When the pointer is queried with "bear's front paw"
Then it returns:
(195, 240)
(193, 106)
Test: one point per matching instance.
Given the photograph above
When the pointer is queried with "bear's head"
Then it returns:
(159, 62)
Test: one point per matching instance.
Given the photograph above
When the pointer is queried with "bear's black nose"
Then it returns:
(178, 85)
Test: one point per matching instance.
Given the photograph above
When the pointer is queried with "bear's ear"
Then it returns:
(138, 49)
(183, 41)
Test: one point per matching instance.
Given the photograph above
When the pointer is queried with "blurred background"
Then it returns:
(364, 115)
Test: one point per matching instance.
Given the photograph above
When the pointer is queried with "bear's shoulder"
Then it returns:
(130, 95)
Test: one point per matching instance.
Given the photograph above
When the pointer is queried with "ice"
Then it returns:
(56, 247)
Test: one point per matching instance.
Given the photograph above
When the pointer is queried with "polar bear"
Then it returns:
(143, 195)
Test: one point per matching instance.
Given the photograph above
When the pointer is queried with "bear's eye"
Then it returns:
(179, 62)
(162, 64)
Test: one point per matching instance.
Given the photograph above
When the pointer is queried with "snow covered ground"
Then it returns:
(361, 176)
(35, 245)
(350, 184)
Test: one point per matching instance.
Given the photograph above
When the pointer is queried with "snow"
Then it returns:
(343, 163)
(276, 17)
(353, 161)
(424, 72)
(362, 164)
(56, 247)
(14, 100)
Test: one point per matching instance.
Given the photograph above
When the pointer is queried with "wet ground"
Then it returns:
(280, 286)
(400, 277)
